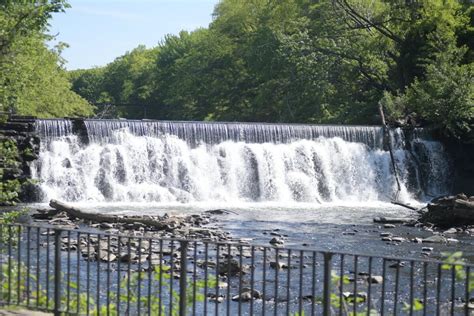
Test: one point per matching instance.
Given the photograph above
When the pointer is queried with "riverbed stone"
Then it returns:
(435, 239)
(360, 297)
(398, 239)
(277, 241)
(278, 265)
(375, 279)
(452, 230)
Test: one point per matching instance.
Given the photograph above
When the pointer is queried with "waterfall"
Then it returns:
(101, 131)
(53, 128)
(157, 161)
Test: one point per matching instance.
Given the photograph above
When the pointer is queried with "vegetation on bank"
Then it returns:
(33, 80)
(329, 61)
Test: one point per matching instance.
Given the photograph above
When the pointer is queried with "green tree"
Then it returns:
(32, 80)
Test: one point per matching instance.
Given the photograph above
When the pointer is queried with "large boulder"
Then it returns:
(450, 211)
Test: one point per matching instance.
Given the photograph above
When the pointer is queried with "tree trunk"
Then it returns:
(100, 218)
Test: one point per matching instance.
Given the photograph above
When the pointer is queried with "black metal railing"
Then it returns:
(89, 272)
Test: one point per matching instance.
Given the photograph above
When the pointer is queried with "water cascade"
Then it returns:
(158, 161)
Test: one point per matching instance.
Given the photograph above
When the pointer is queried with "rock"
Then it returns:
(106, 257)
(385, 234)
(427, 249)
(217, 212)
(276, 241)
(417, 240)
(452, 240)
(217, 299)
(375, 279)
(127, 257)
(398, 239)
(242, 297)
(386, 239)
(255, 293)
(450, 211)
(278, 265)
(435, 239)
(106, 225)
(389, 226)
(231, 267)
(400, 264)
(450, 231)
(246, 295)
(360, 297)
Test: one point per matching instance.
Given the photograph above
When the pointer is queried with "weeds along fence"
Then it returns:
(91, 273)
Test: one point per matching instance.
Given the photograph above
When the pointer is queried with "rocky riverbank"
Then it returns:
(192, 227)
(450, 211)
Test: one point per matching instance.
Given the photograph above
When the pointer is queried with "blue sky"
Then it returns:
(98, 31)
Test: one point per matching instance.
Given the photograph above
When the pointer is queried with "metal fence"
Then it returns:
(92, 273)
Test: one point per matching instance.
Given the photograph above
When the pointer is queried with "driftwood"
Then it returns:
(393, 220)
(101, 218)
(405, 205)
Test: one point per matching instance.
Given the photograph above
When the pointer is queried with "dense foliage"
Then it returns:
(9, 188)
(32, 79)
(328, 61)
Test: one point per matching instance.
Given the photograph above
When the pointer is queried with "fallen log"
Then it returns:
(101, 218)
(405, 205)
(393, 220)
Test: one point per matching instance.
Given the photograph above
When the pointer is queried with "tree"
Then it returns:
(32, 80)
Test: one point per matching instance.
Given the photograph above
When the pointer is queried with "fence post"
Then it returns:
(183, 277)
(57, 272)
(327, 284)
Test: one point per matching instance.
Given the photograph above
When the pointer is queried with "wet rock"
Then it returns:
(450, 211)
(427, 249)
(389, 226)
(278, 265)
(214, 298)
(246, 295)
(375, 279)
(385, 234)
(243, 297)
(450, 231)
(106, 225)
(395, 265)
(417, 240)
(360, 297)
(277, 241)
(232, 267)
(218, 212)
(435, 239)
(127, 257)
(398, 239)
(106, 256)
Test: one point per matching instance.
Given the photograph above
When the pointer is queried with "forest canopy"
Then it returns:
(305, 61)
(32, 78)
(328, 61)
